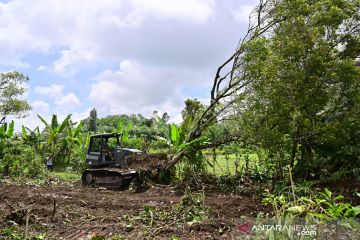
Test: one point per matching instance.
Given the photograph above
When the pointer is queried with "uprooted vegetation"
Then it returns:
(68, 210)
(191, 210)
(158, 213)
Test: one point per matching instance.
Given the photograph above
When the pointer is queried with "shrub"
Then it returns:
(21, 160)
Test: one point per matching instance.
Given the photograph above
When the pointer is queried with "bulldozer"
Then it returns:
(112, 165)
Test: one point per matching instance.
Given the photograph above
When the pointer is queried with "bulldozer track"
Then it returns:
(108, 177)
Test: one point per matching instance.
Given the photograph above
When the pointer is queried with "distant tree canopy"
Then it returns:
(165, 117)
(11, 90)
(192, 107)
(140, 124)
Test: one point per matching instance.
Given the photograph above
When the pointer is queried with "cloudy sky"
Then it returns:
(119, 56)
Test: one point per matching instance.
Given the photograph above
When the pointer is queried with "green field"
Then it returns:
(225, 164)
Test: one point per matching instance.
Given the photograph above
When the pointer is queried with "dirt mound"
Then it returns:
(147, 161)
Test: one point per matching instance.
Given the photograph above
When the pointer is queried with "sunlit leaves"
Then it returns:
(7, 131)
(174, 133)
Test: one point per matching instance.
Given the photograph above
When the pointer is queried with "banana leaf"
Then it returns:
(10, 131)
(24, 133)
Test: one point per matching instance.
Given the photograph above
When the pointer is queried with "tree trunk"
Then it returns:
(214, 159)
(293, 154)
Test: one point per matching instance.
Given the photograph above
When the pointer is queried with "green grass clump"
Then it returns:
(66, 176)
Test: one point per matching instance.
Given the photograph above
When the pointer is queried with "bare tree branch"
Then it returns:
(226, 86)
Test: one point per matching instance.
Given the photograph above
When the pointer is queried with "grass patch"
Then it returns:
(56, 177)
(66, 176)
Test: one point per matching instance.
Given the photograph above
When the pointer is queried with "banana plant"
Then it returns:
(177, 138)
(124, 131)
(24, 134)
(74, 133)
(54, 131)
(192, 150)
(174, 138)
(84, 141)
(177, 135)
(7, 132)
(71, 144)
(31, 137)
(27, 134)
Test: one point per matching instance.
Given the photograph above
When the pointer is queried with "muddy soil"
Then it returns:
(82, 212)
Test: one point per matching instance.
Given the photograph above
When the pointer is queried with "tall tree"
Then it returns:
(297, 61)
(93, 118)
(12, 89)
(230, 79)
(165, 117)
(304, 97)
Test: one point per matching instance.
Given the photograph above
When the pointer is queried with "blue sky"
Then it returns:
(119, 56)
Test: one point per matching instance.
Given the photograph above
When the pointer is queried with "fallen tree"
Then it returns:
(231, 78)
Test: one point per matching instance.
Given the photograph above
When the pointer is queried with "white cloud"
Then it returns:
(177, 45)
(77, 116)
(197, 11)
(242, 13)
(41, 68)
(177, 119)
(72, 58)
(52, 91)
(65, 102)
(135, 88)
(84, 30)
(40, 107)
(32, 121)
(69, 101)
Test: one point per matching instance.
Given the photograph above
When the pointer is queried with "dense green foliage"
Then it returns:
(302, 105)
(138, 132)
(66, 142)
(19, 160)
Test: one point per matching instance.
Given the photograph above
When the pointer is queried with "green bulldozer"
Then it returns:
(112, 165)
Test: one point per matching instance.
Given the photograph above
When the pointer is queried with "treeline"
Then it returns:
(142, 131)
(66, 142)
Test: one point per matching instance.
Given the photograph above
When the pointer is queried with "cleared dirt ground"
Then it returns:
(82, 212)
